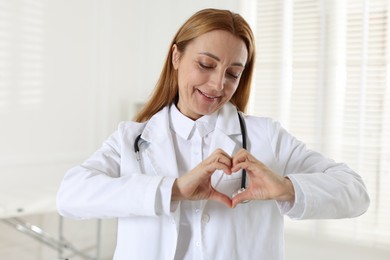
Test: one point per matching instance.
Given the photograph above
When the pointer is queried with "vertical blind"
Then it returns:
(323, 70)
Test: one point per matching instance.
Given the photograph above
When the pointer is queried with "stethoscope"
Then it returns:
(244, 146)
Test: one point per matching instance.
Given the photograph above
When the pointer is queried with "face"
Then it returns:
(209, 71)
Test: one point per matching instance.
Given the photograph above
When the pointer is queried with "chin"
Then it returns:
(208, 111)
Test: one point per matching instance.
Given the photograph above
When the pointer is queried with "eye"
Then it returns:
(233, 75)
(205, 65)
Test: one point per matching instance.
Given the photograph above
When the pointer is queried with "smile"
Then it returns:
(208, 96)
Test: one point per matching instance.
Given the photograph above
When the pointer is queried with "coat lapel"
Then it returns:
(160, 150)
(227, 131)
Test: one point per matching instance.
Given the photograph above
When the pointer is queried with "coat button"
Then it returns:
(205, 218)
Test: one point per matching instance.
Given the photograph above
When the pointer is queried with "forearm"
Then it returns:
(84, 194)
(337, 194)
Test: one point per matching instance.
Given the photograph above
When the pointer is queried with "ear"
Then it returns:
(175, 57)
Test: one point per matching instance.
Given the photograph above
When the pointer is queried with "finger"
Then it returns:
(208, 169)
(221, 166)
(236, 168)
(219, 161)
(242, 165)
(241, 153)
(222, 198)
(227, 164)
(241, 156)
(219, 152)
(225, 160)
(249, 165)
(241, 197)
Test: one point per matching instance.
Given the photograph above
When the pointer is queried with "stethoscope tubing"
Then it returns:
(244, 146)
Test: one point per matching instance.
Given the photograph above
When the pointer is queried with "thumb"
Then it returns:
(222, 198)
(241, 196)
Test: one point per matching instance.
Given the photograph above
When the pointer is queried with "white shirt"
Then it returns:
(191, 140)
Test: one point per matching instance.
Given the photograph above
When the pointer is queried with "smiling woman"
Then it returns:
(172, 194)
(166, 90)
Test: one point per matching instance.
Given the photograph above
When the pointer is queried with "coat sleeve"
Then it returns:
(96, 188)
(324, 189)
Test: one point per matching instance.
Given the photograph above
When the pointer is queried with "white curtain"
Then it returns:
(323, 70)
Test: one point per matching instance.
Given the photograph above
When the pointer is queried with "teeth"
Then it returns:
(204, 94)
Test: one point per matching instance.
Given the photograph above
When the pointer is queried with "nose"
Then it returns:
(218, 80)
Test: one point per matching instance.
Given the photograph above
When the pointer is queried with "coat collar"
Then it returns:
(157, 129)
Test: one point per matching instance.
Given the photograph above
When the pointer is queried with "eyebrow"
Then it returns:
(218, 59)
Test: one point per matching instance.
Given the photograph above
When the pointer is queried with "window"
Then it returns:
(323, 70)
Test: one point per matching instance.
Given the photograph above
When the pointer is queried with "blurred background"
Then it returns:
(71, 70)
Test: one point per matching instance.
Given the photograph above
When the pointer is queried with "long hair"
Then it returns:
(166, 90)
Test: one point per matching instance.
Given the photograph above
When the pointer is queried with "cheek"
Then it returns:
(198, 78)
(188, 77)
(191, 80)
(230, 90)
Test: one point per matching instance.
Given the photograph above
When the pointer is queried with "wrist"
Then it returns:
(289, 192)
(176, 194)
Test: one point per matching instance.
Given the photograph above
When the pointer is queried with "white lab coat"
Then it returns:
(110, 185)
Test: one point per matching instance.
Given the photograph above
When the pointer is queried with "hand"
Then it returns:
(196, 184)
(264, 184)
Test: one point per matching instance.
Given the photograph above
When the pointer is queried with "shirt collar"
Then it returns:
(184, 126)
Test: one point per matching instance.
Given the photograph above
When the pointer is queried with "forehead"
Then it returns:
(222, 44)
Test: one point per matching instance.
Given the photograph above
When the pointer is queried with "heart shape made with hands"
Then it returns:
(227, 179)
(218, 177)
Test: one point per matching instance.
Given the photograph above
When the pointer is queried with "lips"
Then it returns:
(208, 96)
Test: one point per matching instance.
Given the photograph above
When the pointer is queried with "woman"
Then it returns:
(174, 198)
